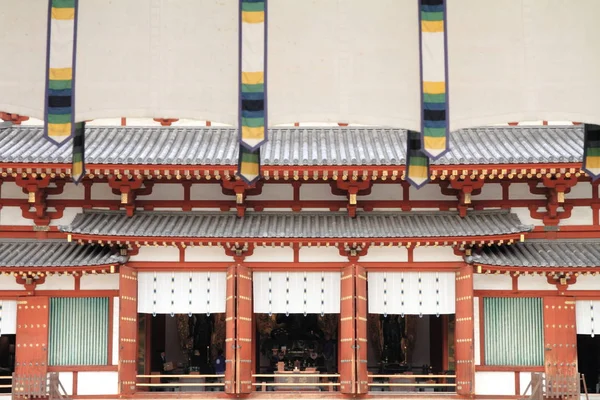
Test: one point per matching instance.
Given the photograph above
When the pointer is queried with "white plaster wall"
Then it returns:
(495, 383)
(157, 253)
(165, 191)
(275, 192)
(214, 253)
(386, 254)
(321, 254)
(99, 282)
(491, 282)
(384, 192)
(521, 191)
(534, 282)
(55, 282)
(586, 282)
(583, 190)
(209, 209)
(68, 215)
(525, 216)
(317, 191)
(579, 216)
(95, 383)
(524, 380)
(428, 192)
(490, 191)
(432, 253)
(476, 332)
(8, 282)
(271, 254)
(13, 216)
(210, 191)
(71, 191)
(101, 191)
(10, 190)
(66, 379)
(115, 333)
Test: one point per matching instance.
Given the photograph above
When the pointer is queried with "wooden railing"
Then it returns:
(173, 382)
(409, 382)
(38, 386)
(554, 387)
(296, 381)
(6, 382)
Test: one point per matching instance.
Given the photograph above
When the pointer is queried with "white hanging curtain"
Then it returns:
(181, 292)
(296, 292)
(588, 317)
(411, 293)
(8, 317)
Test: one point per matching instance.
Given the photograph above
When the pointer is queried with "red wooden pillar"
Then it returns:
(127, 329)
(230, 342)
(347, 344)
(465, 370)
(560, 344)
(244, 363)
(31, 358)
(362, 374)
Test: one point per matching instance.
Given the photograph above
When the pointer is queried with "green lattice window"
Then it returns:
(78, 331)
(513, 331)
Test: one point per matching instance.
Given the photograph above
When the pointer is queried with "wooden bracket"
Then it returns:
(16, 119)
(353, 250)
(30, 281)
(240, 189)
(463, 189)
(129, 189)
(554, 189)
(351, 189)
(239, 251)
(37, 189)
(562, 281)
(166, 121)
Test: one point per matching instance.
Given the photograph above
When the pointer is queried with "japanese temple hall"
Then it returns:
(275, 199)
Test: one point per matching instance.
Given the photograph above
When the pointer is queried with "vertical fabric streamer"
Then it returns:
(591, 150)
(78, 167)
(434, 77)
(60, 71)
(253, 100)
(417, 162)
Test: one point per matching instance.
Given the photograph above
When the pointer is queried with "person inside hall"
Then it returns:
(219, 366)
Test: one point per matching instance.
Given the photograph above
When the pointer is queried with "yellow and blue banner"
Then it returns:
(591, 150)
(417, 162)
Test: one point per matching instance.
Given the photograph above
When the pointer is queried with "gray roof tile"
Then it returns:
(295, 225)
(563, 253)
(302, 146)
(53, 253)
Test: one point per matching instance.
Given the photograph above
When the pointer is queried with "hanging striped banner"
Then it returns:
(434, 77)
(417, 162)
(62, 32)
(253, 101)
(78, 167)
(591, 150)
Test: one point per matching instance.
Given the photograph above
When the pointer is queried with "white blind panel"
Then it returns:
(358, 62)
(411, 293)
(23, 36)
(588, 317)
(8, 317)
(296, 292)
(158, 58)
(181, 292)
(522, 60)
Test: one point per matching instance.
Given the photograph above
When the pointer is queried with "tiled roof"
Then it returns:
(563, 253)
(53, 253)
(295, 225)
(303, 146)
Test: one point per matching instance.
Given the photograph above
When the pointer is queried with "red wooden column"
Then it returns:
(230, 343)
(31, 358)
(127, 329)
(465, 370)
(560, 343)
(347, 353)
(362, 374)
(244, 364)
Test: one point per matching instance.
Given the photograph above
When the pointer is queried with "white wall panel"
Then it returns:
(13, 216)
(208, 191)
(525, 216)
(72, 191)
(10, 190)
(583, 190)
(97, 383)
(68, 216)
(99, 282)
(428, 192)
(101, 191)
(321, 254)
(586, 282)
(55, 282)
(204, 253)
(66, 379)
(495, 383)
(491, 282)
(172, 191)
(384, 192)
(272, 254)
(490, 191)
(115, 332)
(8, 282)
(521, 191)
(431, 253)
(476, 331)
(534, 282)
(275, 192)
(318, 191)
(389, 254)
(157, 253)
(579, 216)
